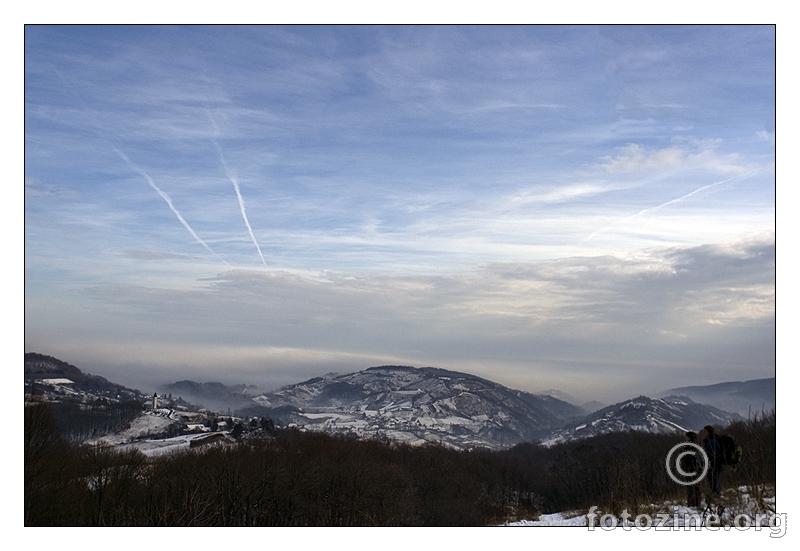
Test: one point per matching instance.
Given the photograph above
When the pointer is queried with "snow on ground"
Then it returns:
(152, 448)
(135, 436)
(756, 502)
(139, 428)
(555, 519)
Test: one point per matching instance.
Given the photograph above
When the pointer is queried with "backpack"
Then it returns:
(731, 451)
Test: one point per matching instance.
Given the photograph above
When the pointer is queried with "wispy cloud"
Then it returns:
(34, 188)
(154, 255)
(767, 136)
(636, 158)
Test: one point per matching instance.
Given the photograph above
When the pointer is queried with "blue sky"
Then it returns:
(548, 207)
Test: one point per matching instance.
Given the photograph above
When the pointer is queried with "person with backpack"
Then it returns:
(691, 464)
(716, 459)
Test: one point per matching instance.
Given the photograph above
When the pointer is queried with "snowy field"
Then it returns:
(135, 436)
(741, 504)
(555, 519)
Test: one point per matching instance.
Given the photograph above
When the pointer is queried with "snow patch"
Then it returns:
(554, 519)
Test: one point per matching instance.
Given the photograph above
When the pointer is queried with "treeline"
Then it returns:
(619, 471)
(292, 478)
(78, 421)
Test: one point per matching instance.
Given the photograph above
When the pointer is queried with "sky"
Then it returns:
(582, 208)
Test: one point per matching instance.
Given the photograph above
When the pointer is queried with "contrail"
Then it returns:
(234, 180)
(670, 202)
(168, 200)
(101, 133)
(698, 190)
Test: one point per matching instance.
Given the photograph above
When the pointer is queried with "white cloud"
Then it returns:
(766, 136)
(636, 158)
(563, 193)
(36, 189)
(601, 310)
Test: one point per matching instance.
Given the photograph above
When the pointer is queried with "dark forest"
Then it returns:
(284, 477)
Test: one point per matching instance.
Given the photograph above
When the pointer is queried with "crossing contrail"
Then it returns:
(231, 174)
(698, 190)
(168, 200)
(102, 134)
(662, 205)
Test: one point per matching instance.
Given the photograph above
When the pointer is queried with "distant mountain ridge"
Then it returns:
(742, 397)
(417, 405)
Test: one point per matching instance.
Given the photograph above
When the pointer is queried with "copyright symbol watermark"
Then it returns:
(690, 463)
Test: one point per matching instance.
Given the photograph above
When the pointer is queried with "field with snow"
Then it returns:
(151, 423)
(757, 503)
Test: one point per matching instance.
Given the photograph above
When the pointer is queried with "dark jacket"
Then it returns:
(713, 449)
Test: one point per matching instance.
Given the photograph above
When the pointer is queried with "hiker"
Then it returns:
(716, 460)
(691, 464)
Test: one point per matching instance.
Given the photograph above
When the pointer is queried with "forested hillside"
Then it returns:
(292, 478)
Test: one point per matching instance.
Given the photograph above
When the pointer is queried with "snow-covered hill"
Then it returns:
(662, 416)
(48, 375)
(418, 405)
